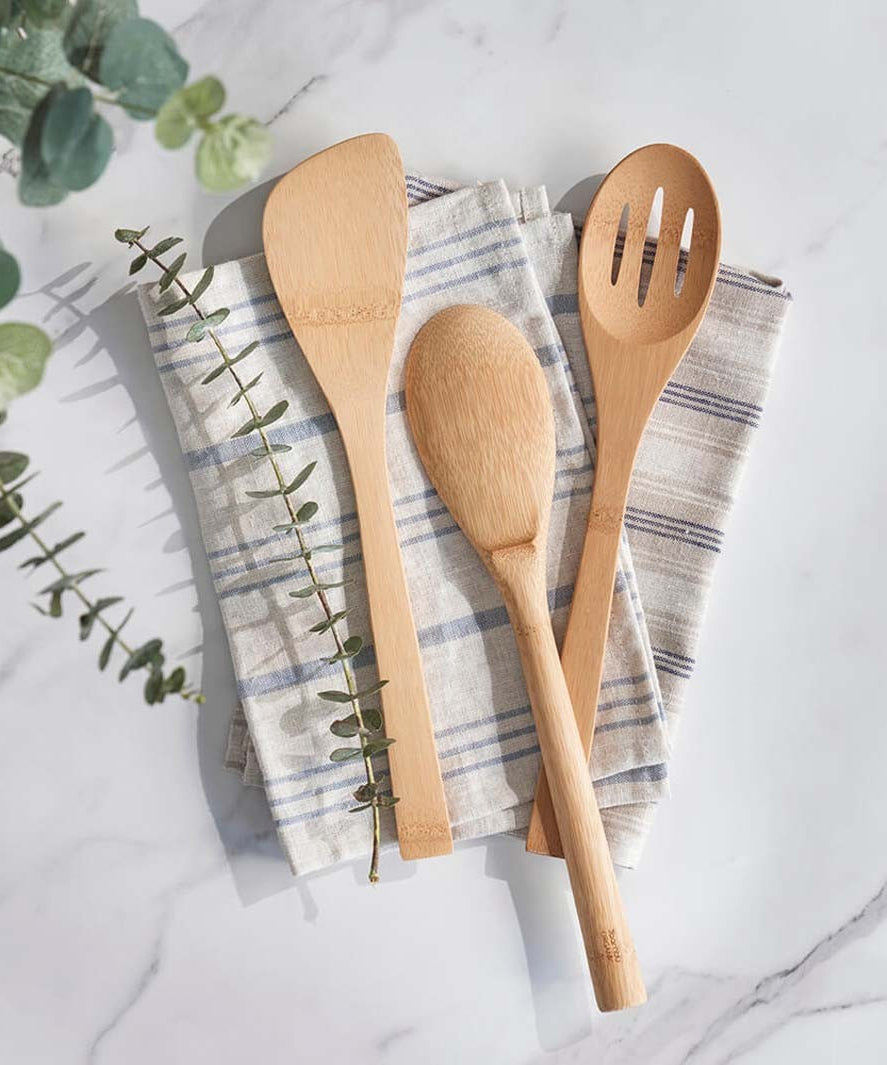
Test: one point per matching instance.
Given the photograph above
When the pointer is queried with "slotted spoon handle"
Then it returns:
(612, 959)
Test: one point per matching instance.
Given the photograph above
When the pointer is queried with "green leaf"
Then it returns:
(306, 511)
(164, 245)
(10, 277)
(233, 152)
(8, 506)
(200, 327)
(141, 656)
(55, 604)
(108, 647)
(354, 643)
(23, 530)
(376, 747)
(68, 581)
(202, 285)
(40, 55)
(372, 689)
(274, 414)
(372, 718)
(387, 800)
(36, 185)
(43, 12)
(12, 465)
(75, 142)
(264, 493)
(300, 478)
(366, 792)
(153, 686)
(172, 271)
(175, 681)
(137, 264)
(24, 350)
(346, 728)
(88, 27)
(248, 350)
(345, 754)
(37, 561)
(215, 373)
(363, 806)
(127, 236)
(141, 64)
(336, 697)
(184, 110)
(327, 623)
(272, 449)
(87, 620)
(172, 308)
(320, 586)
(241, 392)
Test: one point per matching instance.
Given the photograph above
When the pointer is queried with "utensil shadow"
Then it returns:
(556, 965)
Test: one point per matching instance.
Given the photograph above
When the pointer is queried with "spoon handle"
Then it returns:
(423, 826)
(612, 959)
(585, 639)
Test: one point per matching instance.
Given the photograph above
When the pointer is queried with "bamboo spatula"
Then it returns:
(335, 234)
(633, 347)
(480, 412)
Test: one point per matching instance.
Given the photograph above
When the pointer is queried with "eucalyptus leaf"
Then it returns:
(108, 647)
(345, 754)
(300, 478)
(306, 511)
(376, 747)
(68, 581)
(127, 236)
(39, 560)
(163, 246)
(372, 718)
(172, 271)
(141, 64)
(241, 392)
(276, 412)
(24, 350)
(141, 656)
(10, 277)
(387, 800)
(272, 449)
(88, 620)
(233, 152)
(174, 307)
(153, 686)
(345, 729)
(358, 809)
(366, 792)
(210, 321)
(354, 643)
(37, 187)
(202, 285)
(12, 465)
(9, 506)
(23, 530)
(75, 142)
(215, 373)
(44, 12)
(175, 681)
(87, 30)
(39, 55)
(336, 696)
(372, 689)
(138, 263)
(328, 623)
(186, 109)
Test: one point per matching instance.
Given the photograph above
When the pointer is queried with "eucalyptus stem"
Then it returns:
(99, 97)
(304, 549)
(7, 497)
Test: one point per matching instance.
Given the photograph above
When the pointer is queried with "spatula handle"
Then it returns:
(585, 640)
(423, 826)
(612, 960)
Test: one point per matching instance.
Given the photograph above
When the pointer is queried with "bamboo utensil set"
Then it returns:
(478, 405)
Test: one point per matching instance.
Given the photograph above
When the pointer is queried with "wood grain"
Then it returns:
(633, 350)
(335, 232)
(480, 412)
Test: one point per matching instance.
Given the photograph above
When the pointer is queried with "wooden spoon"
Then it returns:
(335, 234)
(480, 412)
(633, 349)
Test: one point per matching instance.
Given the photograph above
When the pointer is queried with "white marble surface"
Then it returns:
(145, 913)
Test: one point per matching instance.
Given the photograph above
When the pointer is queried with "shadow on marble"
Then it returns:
(556, 966)
(576, 200)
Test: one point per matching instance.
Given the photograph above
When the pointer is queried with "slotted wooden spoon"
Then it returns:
(633, 349)
(335, 234)
(480, 412)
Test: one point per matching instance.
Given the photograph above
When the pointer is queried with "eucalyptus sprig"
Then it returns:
(148, 656)
(61, 63)
(363, 723)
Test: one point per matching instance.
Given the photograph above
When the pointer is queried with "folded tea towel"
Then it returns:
(472, 245)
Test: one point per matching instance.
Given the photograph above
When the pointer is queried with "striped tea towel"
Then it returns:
(474, 245)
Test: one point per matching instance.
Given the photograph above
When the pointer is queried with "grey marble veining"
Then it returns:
(145, 912)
